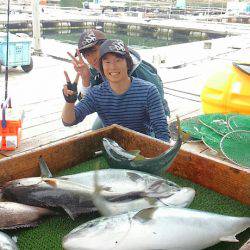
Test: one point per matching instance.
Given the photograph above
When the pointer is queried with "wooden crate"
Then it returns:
(213, 173)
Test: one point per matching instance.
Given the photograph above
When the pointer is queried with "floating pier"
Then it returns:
(73, 19)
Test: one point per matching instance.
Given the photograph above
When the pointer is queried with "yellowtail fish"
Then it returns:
(156, 228)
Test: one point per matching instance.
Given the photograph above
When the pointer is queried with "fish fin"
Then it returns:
(153, 188)
(71, 214)
(13, 227)
(63, 178)
(135, 152)
(134, 177)
(51, 182)
(139, 158)
(44, 169)
(230, 238)
(98, 188)
(151, 200)
(184, 136)
(106, 188)
(145, 215)
(14, 238)
(103, 206)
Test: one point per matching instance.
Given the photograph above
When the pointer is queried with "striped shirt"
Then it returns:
(139, 108)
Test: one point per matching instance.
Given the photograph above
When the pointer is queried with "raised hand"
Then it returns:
(70, 89)
(81, 67)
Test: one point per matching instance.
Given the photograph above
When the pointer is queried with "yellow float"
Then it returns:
(228, 90)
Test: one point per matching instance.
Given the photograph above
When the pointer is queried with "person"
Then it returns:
(89, 45)
(121, 99)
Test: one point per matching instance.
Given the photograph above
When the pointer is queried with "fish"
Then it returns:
(73, 193)
(121, 181)
(183, 198)
(15, 215)
(49, 192)
(156, 228)
(72, 197)
(118, 157)
(6, 242)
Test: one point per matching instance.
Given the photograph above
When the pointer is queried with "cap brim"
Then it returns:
(114, 52)
(88, 46)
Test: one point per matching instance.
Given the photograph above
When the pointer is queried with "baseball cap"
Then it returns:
(113, 46)
(90, 38)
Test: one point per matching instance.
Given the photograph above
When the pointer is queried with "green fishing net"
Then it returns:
(239, 122)
(217, 122)
(211, 139)
(192, 126)
(236, 147)
(227, 134)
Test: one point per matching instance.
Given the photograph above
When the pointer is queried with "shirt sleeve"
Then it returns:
(158, 119)
(85, 107)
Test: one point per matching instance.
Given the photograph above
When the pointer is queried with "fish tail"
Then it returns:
(184, 136)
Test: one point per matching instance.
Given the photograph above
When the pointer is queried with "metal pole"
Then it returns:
(7, 52)
(36, 27)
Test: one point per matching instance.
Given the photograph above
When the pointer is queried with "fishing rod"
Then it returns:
(7, 52)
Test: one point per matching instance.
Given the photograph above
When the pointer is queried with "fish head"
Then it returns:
(7, 242)
(182, 198)
(161, 187)
(101, 233)
(23, 182)
(17, 187)
(109, 141)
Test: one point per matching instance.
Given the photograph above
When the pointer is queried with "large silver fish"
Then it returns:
(74, 198)
(15, 215)
(121, 181)
(182, 198)
(6, 243)
(156, 228)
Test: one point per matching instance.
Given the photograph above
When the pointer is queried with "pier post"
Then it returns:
(36, 27)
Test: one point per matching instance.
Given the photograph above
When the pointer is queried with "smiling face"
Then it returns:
(92, 56)
(115, 68)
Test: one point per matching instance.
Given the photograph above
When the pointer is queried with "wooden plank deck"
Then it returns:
(39, 94)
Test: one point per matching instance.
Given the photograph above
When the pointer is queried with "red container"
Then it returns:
(10, 128)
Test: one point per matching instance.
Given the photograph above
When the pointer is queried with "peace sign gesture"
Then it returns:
(81, 67)
(70, 89)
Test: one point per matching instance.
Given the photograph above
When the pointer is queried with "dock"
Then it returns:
(39, 92)
(61, 18)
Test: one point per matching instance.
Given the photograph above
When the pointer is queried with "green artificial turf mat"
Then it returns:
(48, 235)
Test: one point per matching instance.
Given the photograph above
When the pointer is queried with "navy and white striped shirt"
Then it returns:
(138, 108)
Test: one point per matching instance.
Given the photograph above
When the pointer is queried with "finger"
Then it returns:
(66, 76)
(79, 55)
(77, 78)
(65, 90)
(73, 58)
(75, 65)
